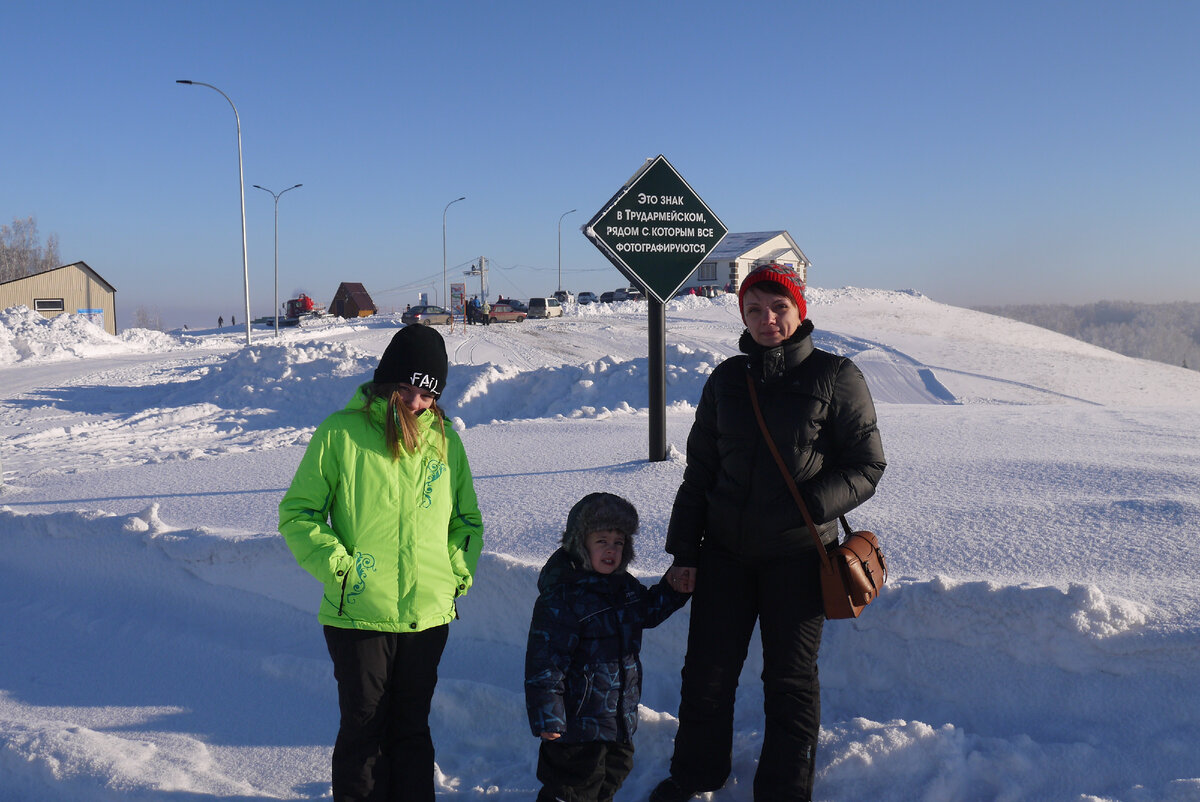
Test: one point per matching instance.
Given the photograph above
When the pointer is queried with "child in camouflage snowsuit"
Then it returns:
(583, 676)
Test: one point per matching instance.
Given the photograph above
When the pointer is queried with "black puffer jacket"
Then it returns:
(821, 416)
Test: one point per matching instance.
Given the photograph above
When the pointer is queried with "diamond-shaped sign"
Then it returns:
(656, 229)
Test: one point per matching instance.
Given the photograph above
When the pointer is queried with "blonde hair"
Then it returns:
(400, 424)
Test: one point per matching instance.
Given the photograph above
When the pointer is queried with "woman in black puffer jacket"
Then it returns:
(739, 540)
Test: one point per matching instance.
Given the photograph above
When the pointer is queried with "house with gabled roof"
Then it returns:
(73, 288)
(740, 253)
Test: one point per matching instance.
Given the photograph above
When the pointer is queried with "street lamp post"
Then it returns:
(445, 291)
(242, 191)
(276, 197)
(560, 219)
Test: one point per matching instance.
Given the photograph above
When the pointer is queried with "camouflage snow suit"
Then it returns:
(583, 675)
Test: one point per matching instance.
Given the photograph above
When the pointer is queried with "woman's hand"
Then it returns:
(681, 579)
(551, 736)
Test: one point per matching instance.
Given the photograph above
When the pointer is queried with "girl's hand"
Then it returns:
(551, 736)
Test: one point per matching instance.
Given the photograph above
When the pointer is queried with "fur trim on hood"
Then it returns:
(593, 513)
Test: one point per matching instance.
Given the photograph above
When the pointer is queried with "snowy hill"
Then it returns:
(1038, 639)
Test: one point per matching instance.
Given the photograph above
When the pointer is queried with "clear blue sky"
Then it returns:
(978, 152)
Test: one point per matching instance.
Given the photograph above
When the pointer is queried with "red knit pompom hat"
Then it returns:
(782, 275)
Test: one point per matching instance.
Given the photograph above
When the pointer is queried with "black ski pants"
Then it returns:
(582, 772)
(784, 596)
(384, 750)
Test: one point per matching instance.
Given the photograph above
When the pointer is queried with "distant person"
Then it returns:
(583, 675)
(220, 321)
(382, 510)
(232, 320)
(739, 540)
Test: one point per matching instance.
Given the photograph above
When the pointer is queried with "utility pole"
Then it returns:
(481, 271)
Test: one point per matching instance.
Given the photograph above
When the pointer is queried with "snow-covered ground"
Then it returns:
(1039, 638)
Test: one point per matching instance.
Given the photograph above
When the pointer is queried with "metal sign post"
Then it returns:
(655, 230)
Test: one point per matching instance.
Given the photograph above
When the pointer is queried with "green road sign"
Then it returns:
(656, 230)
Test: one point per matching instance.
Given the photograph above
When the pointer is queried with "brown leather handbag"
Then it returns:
(851, 573)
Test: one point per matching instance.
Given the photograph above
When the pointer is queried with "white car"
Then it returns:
(544, 307)
(588, 298)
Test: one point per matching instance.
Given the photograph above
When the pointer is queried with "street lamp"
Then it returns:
(242, 191)
(276, 197)
(560, 219)
(445, 293)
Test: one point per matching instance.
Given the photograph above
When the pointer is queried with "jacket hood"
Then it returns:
(379, 409)
(558, 569)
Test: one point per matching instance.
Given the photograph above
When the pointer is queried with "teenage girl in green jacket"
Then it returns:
(383, 512)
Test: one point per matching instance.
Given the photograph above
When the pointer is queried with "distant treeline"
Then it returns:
(1163, 332)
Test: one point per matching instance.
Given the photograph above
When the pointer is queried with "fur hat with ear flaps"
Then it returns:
(593, 513)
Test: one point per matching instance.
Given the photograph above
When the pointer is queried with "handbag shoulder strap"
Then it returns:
(787, 477)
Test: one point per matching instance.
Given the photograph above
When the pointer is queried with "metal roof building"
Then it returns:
(73, 288)
(740, 253)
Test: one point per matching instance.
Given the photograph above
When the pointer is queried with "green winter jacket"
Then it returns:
(395, 543)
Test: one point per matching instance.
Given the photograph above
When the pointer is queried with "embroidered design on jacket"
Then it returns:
(363, 562)
(434, 468)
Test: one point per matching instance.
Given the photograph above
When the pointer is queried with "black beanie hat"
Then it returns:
(595, 512)
(417, 356)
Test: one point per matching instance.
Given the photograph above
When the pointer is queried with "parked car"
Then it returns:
(515, 304)
(544, 307)
(606, 298)
(426, 315)
(564, 296)
(588, 298)
(504, 313)
(628, 294)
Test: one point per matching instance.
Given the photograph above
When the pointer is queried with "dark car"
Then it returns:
(514, 303)
(426, 315)
(606, 298)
